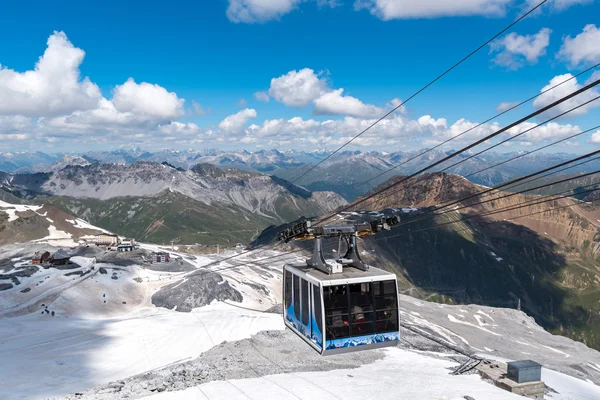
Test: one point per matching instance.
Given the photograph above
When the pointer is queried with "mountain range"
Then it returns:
(159, 202)
(348, 173)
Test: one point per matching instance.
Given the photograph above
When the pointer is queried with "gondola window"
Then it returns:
(305, 298)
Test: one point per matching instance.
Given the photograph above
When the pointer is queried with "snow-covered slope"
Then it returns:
(22, 223)
(106, 329)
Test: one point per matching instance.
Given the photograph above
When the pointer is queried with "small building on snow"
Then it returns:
(107, 239)
(60, 258)
(123, 247)
(40, 258)
(160, 257)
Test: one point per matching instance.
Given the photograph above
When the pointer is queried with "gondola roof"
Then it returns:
(349, 275)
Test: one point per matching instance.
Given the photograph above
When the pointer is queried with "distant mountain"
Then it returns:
(550, 260)
(159, 202)
(348, 173)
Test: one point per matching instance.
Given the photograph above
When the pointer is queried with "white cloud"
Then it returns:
(262, 96)
(14, 123)
(179, 128)
(297, 88)
(405, 9)
(53, 87)
(14, 136)
(562, 91)
(550, 131)
(506, 106)
(583, 48)
(234, 124)
(303, 87)
(393, 130)
(242, 102)
(256, 11)
(148, 100)
(514, 50)
(334, 103)
(595, 138)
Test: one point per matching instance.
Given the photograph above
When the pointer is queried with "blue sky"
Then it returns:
(216, 53)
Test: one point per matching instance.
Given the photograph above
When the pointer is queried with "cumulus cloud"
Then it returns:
(393, 130)
(514, 50)
(14, 123)
(176, 128)
(583, 49)
(549, 131)
(405, 9)
(298, 88)
(595, 138)
(334, 103)
(53, 87)
(234, 124)
(304, 87)
(562, 91)
(262, 96)
(147, 100)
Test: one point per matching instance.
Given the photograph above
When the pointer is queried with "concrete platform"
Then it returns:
(496, 372)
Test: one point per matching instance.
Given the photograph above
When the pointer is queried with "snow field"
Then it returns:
(400, 375)
(44, 357)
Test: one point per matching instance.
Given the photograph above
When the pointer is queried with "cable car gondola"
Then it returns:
(340, 305)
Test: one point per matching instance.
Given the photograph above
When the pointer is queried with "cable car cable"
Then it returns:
(520, 134)
(541, 110)
(466, 148)
(495, 188)
(476, 126)
(414, 94)
(528, 203)
(487, 149)
(531, 152)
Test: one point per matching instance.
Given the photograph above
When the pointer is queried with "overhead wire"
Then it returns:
(466, 148)
(546, 108)
(493, 189)
(516, 21)
(520, 133)
(475, 127)
(525, 204)
(531, 152)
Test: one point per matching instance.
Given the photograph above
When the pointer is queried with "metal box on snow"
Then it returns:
(524, 371)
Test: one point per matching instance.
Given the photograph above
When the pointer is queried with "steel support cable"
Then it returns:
(387, 114)
(535, 201)
(502, 185)
(520, 134)
(413, 95)
(551, 173)
(532, 151)
(476, 126)
(435, 209)
(260, 263)
(509, 195)
(512, 208)
(504, 141)
(466, 148)
(393, 110)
